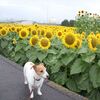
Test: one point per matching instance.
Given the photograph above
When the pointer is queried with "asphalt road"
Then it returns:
(12, 85)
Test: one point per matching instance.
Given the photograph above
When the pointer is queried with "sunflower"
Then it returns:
(92, 43)
(90, 36)
(3, 32)
(83, 34)
(23, 33)
(59, 34)
(1, 27)
(18, 29)
(33, 40)
(34, 31)
(36, 25)
(13, 28)
(49, 34)
(44, 43)
(9, 29)
(29, 29)
(69, 40)
(65, 30)
(92, 33)
(79, 43)
(42, 32)
(98, 37)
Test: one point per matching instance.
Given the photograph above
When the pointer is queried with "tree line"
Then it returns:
(69, 23)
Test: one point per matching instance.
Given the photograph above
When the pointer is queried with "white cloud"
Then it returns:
(44, 10)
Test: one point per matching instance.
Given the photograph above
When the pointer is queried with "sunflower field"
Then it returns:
(72, 59)
(87, 22)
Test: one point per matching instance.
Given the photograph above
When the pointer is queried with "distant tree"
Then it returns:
(65, 23)
(71, 23)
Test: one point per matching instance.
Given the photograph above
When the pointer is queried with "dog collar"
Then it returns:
(37, 79)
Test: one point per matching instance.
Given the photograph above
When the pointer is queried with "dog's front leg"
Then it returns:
(39, 90)
(31, 91)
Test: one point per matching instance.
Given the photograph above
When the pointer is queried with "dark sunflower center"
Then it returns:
(9, 29)
(70, 39)
(59, 33)
(23, 34)
(94, 42)
(3, 32)
(44, 43)
(98, 37)
(36, 25)
(18, 29)
(65, 30)
(0, 27)
(29, 29)
(34, 41)
(13, 28)
(48, 35)
(42, 32)
(33, 32)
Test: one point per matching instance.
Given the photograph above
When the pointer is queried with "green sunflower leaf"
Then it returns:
(67, 58)
(88, 57)
(41, 55)
(4, 43)
(18, 47)
(78, 66)
(94, 74)
(56, 67)
(71, 84)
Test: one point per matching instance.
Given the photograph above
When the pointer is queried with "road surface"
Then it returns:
(12, 85)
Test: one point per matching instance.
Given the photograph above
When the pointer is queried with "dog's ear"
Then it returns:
(34, 66)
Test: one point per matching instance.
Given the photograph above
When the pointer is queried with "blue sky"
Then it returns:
(46, 10)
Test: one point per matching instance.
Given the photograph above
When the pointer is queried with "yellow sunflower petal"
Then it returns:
(44, 43)
(23, 33)
(33, 40)
(92, 43)
(69, 40)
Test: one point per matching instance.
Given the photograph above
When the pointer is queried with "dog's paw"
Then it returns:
(32, 96)
(39, 93)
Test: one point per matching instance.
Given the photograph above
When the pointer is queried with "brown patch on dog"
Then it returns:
(39, 69)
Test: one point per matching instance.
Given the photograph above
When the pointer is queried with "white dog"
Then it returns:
(34, 76)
